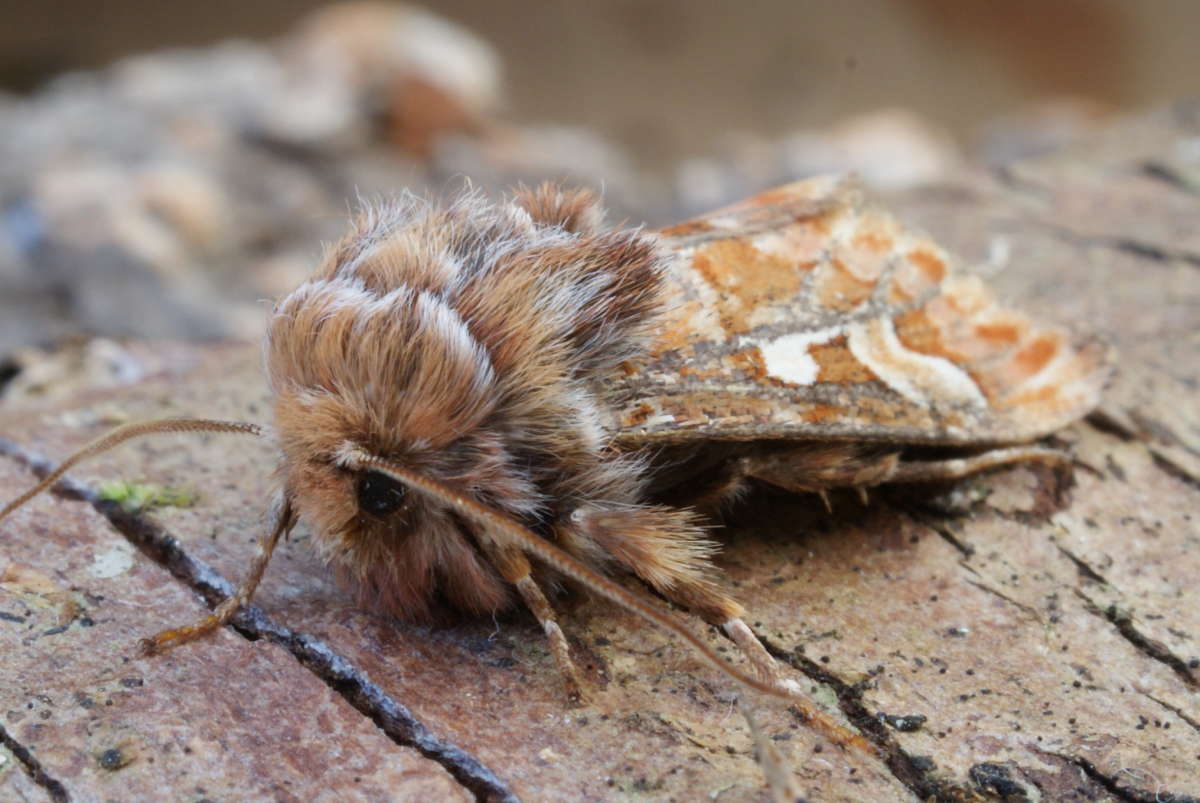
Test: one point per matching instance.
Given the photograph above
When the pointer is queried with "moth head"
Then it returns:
(398, 376)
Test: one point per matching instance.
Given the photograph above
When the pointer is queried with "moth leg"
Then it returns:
(537, 603)
(815, 468)
(285, 519)
(514, 567)
(956, 468)
(771, 671)
(667, 549)
(719, 492)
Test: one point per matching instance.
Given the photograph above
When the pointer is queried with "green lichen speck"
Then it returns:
(137, 496)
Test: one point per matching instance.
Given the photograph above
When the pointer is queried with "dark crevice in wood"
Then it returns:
(9, 370)
(1028, 610)
(1113, 786)
(1169, 466)
(903, 767)
(1153, 429)
(1130, 245)
(353, 685)
(965, 549)
(1007, 176)
(1169, 176)
(1157, 253)
(1146, 430)
(33, 768)
(1109, 423)
(1002, 780)
(1084, 568)
(1194, 724)
(1153, 252)
(1123, 622)
(1155, 434)
(1136, 247)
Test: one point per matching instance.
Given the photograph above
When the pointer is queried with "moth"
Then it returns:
(476, 400)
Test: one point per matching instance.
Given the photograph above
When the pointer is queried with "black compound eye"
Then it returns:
(379, 495)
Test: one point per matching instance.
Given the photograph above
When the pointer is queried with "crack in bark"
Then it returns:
(1083, 567)
(33, 768)
(1007, 177)
(1028, 610)
(1123, 622)
(1195, 725)
(1125, 243)
(921, 782)
(1149, 647)
(353, 685)
(1172, 467)
(1146, 431)
(1160, 171)
(966, 550)
(903, 767)
(1155, 430)
(850, 697)
(1113, 786)
(1114, 423)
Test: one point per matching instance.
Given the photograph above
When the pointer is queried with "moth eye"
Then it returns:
(379, 495)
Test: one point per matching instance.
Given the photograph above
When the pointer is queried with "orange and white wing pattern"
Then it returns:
(803, 313)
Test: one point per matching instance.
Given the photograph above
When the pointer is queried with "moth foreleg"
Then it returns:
(514, 567)
(285, 519)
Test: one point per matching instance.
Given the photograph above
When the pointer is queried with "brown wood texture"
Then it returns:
(1025, 635)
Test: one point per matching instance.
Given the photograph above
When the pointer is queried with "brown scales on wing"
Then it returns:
(868, 332)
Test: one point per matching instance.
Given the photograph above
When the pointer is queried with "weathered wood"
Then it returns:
(231, 720)
(1047, 635)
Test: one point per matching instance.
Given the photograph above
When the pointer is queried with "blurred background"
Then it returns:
(673, 78)
(186, 161)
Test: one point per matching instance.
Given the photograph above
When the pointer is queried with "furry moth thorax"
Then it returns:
(466, 342)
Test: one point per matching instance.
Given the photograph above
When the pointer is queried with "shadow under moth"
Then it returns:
(475, 401)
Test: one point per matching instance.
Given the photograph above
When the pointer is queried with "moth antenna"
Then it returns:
(780, 778)
(354, 457)
(127, 432)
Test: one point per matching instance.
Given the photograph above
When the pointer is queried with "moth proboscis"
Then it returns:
(475, 400)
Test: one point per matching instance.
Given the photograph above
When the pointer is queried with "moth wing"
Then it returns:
(805, 314)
